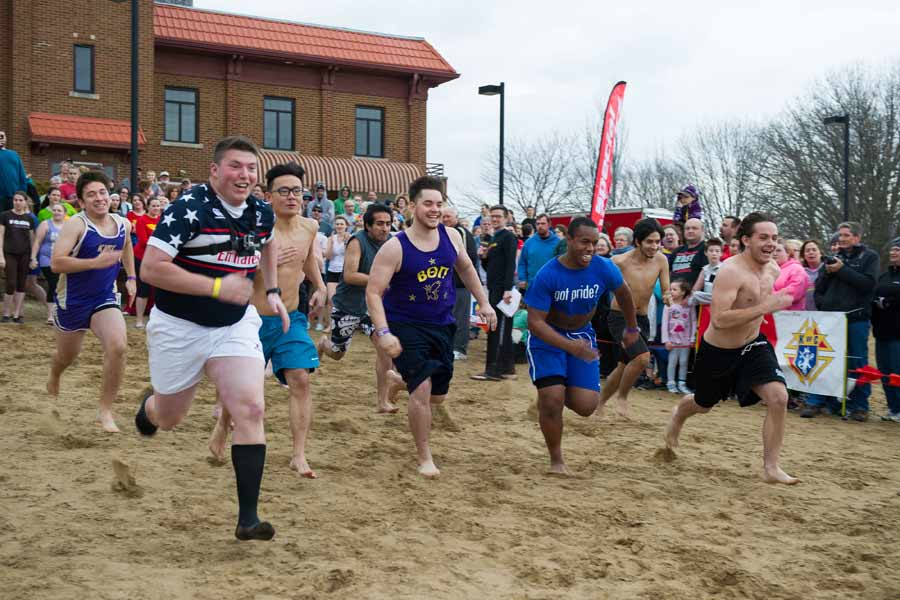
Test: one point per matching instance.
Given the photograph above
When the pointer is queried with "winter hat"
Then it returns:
(691, 190)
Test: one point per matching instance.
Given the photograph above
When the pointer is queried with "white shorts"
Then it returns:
(178, 349)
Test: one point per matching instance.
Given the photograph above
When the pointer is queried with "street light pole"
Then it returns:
(135, 63)
(845, 120)
(493, 90)
(135, 94)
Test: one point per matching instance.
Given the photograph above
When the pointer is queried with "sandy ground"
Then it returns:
(628, 525)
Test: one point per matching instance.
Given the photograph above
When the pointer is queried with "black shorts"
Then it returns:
(344, 325)
(427, 352)
(724, 371)
(143, 288)
(617, 325)
(332, 277)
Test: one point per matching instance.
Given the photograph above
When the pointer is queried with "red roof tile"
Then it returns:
(191, 26)
(82, 131)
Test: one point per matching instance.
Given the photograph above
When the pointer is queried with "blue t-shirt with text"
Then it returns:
(572, 291)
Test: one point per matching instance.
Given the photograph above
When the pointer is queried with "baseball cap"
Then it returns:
(163, 173)
(320, 186)
(690, 190)
(895, 243)
(317, 208)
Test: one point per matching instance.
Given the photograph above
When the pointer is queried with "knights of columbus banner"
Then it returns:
(812, 351)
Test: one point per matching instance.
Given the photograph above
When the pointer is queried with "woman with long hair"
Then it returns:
(42, 250)
(146, 224)
(811, 259)
(334, 254)
(52, 198)
(17, 233)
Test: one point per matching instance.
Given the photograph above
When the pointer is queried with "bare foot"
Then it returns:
(320, 346)
(53, 386)
(299, 464)
(601, 411)
(673, 430)
(622, 408)
(395, 385)
(386, 409)
(776, 475)
(428, 470)
(105, 418)
(559, 468)
(218, 440)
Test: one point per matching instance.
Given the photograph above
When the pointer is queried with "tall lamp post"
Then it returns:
(493, 90)
(135, 42)
(845, 120)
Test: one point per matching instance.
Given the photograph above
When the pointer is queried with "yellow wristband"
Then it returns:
(217, 287)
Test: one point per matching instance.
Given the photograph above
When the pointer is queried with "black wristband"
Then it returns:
(273, 291)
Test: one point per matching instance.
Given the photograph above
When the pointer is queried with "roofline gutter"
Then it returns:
(440, 76)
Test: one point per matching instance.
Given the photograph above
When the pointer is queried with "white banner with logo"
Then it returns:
(812, 351)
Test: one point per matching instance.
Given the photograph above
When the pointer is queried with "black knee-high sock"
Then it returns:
(248, 461)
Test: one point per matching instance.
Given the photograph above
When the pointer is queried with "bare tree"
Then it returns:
(801, 169)
(718, 158)
(651, 183)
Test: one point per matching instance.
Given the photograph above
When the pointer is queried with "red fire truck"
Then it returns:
(619, 217)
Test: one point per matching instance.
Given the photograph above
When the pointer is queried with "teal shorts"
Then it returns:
(291, 350)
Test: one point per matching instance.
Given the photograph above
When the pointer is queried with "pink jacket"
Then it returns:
(794, 279)
(679, 325)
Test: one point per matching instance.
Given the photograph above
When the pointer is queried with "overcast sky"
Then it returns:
(686, 62)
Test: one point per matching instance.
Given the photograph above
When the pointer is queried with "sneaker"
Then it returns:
(6, 319)
(457, 355)
(891, 416)
(672, 387)
(810, 412)
(860, 416)
(683, 388)
(20, 320)
(485, 377)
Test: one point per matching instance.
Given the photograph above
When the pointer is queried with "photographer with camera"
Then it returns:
(202, 259)
(847, 284)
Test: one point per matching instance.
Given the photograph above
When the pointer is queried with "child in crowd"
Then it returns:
(688, 205)
(702, 292)
(678, 330)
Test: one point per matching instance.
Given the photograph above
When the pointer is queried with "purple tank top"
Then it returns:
(86, 288)
(422, 290)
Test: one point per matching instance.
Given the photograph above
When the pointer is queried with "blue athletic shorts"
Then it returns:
(78, 317)
(291, 350)
(548, 365)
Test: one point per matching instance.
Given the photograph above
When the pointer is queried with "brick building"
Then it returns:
(349, 105)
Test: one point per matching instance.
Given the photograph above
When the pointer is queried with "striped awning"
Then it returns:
(361, 174)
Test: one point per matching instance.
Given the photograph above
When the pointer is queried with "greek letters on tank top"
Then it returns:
(422, 290)
(95, 284)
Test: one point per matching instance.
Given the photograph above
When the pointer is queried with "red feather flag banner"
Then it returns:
(604, 178)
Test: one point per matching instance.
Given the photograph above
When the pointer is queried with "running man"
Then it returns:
(733, 356)
(411, 290)
(202, 259)
(349, 311)
(293, 354)
(642, 267)
(562, 348)
(87, 254)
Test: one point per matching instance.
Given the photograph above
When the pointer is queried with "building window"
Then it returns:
(181, 115)
(369, 131)
(84, 69)
(278, 123)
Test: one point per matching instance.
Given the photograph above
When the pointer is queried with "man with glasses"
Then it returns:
(292, 353)
(349, 311)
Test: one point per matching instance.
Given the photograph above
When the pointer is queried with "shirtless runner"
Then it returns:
(733, 356)
(641, 268)
(292, 354)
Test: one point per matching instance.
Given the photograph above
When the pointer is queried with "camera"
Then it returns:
(830, 260)
(245, 246)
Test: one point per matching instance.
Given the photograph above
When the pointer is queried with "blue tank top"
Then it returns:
(45, 253)
(422, 290)
(86, 287)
